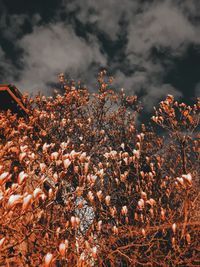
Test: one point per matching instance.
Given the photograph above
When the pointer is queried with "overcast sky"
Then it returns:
(152, 48)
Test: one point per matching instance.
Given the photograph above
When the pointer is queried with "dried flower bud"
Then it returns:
(54, 156)
(188, 238)
(90, 196)
(73, 221)
(50, 193)
(79, 191)
(27, 202)
(94, 252)
(115, 230)
(142, 174)
(136, 216)
(187, 178)
(174, 228)
(143, 195)
(21, 177)
(22, 156)
(78, 221)
(86, 167)
(124, 210)
(113, 211)
(138, 145)
(180, 180)
(62, 249)
(151, 202)
(173, 241)
(99, 225)
(48, 259)
(14, 200)
(107, 200)
(162, 213)
(43, 167)
(83, 157)
(66, 163)
(143, 232)
(136, 153)
(99, 195)
(101, 173)
(37, 193)
(4, 177)
(141, 204)
(2, 241)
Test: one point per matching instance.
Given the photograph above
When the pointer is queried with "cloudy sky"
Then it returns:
(151, 47)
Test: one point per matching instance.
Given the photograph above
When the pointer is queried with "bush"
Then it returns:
(83, 183)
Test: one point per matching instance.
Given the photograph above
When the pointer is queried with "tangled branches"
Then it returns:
(82, 185)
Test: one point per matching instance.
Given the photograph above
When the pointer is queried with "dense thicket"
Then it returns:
(83, 183)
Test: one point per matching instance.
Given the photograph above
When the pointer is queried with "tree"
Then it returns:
(82, 184)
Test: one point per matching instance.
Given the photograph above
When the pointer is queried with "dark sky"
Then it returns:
(152, 48)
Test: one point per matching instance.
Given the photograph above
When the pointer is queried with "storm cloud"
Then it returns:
(137, 41)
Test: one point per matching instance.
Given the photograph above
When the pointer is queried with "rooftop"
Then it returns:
(11, 99)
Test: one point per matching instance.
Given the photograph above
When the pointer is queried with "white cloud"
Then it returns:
(163, 25)
(106, 14)
(157, 24)
(52, 49)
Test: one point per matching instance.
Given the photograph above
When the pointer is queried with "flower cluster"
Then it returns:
(82, 184)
